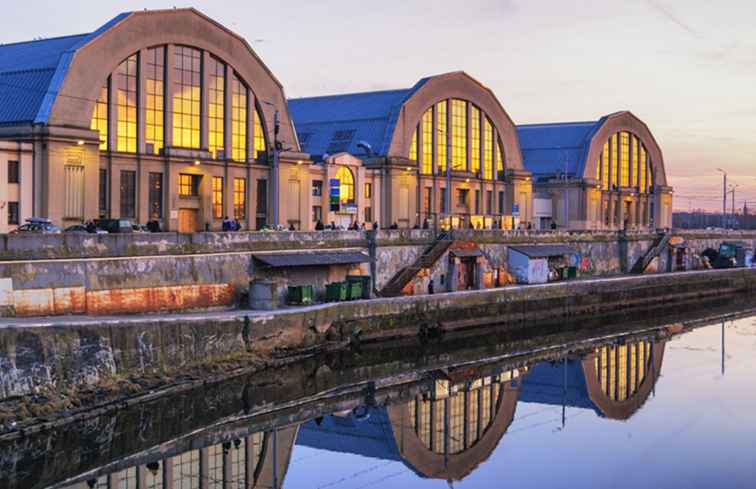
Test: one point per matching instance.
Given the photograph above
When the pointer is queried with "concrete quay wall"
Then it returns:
(62, 354)
(218, 274)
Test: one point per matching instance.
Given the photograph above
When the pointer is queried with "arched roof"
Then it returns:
(387, 119)
(548, 148)
(64, 75)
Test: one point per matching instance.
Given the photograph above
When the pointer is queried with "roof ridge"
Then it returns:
(57, 38)
(350, 94)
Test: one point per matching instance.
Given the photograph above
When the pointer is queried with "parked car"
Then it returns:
(82, 228)
(41, 225)
(115, 225)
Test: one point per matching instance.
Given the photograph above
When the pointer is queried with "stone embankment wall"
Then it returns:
(57, 354)
(114, 274)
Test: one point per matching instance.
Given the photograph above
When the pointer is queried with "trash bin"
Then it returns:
(364, 281)
(336, 292)
(354, 290)
(571, 272)
(300, 294)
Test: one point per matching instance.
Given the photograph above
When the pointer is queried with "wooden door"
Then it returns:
(188, 220)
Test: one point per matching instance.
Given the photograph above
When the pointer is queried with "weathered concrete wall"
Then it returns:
(54, 354)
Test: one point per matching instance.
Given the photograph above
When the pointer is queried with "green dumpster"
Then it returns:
(300, 294)
(572, 272)
(364, 281)
(336, 292)
(354, 290)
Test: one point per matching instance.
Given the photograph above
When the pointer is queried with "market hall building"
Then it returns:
(605, 174)
(444, 150)
(157, 115)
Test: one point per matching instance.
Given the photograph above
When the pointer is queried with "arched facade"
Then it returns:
(607, 174)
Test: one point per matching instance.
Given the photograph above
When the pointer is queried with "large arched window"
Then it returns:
(459, 132)
(621, 369)
(624, 162)
(346, 185)
(191, 81)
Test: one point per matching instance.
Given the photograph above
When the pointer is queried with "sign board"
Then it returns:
(334, 194)
(515, 210)
(350, 209)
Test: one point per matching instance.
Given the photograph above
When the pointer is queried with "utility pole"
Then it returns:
(732, 191)
(724, 199)
(274, 169)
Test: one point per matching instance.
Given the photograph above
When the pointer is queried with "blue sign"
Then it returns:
(515, 209)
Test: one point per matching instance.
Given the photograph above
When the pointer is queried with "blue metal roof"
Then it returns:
(547, 148)
(336, 123)
(31, 74)
(557, 384)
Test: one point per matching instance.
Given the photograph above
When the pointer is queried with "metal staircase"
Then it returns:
(431, 255)
(660, 244)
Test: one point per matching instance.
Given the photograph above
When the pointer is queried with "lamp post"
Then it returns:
(733, 186)
(724, 198)
(275, 169)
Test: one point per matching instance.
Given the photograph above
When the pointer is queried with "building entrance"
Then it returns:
(188, 220)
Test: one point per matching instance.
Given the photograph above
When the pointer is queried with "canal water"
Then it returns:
(667, 403)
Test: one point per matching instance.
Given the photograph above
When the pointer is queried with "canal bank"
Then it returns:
(67, 354)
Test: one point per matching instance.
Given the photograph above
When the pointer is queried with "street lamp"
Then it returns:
(724, 198)
(274, 173)
(733, 186)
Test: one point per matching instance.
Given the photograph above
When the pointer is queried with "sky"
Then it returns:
(685, 67)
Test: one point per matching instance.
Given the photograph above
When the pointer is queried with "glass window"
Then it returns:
(103, 197)
(128, 193)
(126, 105)
(240, 198)
(262, 196)
(368, 190)
(634, 161)
(154, 99)
(499, 161)
(100, 117)
(156, 195)
(441, 136)
(427, 123)
(413, 147)
(613, 151)
(216, 103)
(259, 137)
(346, 185)
(186, 97)
(317, 213)
(605, 167)
(13, 213)
(624, 159)
(189, 185)
(475, 141)
(487, 149)
(238, 119)
(643, 169)
(317, 188)
(462, 195)
(368, 214)
(459, 135)
(186, 470)
(13, 176)
(427, 199)
(501, 202)
(218, 197)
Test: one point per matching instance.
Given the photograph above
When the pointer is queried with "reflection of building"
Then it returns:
(614, 168)
(447, 136)
(443, 434)
(248, 462)
(614, 381)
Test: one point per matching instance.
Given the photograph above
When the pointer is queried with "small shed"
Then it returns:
(533, 264)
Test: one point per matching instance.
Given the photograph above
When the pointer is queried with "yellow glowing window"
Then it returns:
(346, 185)
(126, 105)
(441, 143)
(475, 139)
(427, 123)
(100, 117)
(499, 160)
(624, 159)
(260, 147)
(413, 146)
(487, 149)
(634, 161)
(155, 98)
(218, 197)
(614, 146)
(238, 119)
(605, 166)
(189, 185)
(186, 97)
(240, 198)
(642, 169)
(216, 103)
(459, 135)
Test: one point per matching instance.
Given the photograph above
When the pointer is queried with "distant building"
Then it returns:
(16, 184)
(605, 174)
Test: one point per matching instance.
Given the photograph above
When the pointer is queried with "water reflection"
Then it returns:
(438, 423)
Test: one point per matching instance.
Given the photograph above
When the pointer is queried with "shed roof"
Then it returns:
(32, 73)
(336, 123)
(311, 258)
(543, 251)
(548, 148)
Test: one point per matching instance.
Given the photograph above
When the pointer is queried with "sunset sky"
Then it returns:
(686, 67)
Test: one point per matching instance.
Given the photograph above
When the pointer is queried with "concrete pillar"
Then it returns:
(452, 277)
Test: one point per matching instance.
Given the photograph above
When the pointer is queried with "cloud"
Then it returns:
(670, 16)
